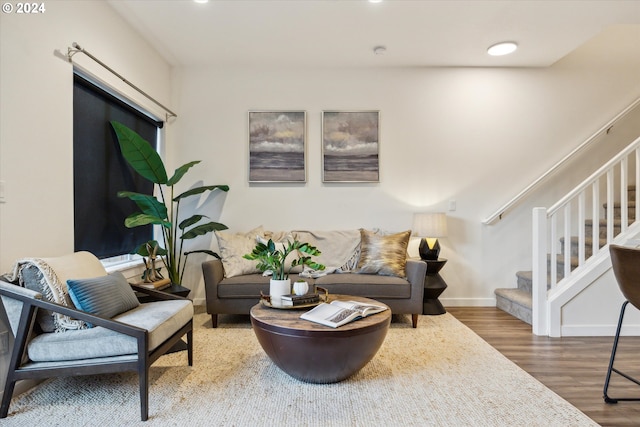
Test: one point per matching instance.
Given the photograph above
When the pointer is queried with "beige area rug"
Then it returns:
(440, 374)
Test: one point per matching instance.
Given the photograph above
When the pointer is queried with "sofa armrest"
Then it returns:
(213, 273)
(416, 271)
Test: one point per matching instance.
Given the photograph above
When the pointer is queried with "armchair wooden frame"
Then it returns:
(18, 370)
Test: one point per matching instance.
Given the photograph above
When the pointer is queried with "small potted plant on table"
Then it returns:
(272, 257)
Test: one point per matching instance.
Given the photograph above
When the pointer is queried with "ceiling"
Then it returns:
(343, 33)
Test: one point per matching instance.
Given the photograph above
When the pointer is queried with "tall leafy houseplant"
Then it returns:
(165, 210)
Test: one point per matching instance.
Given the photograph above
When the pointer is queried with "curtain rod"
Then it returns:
(78, 49)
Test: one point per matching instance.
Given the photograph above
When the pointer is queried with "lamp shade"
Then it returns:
(430, 224)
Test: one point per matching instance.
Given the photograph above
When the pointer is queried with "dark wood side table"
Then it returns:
(434, 285)
(181, 291)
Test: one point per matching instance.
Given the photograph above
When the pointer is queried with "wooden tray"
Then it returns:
(266, 301)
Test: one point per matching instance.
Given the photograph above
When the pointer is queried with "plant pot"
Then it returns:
(300, 288)
(277, 288)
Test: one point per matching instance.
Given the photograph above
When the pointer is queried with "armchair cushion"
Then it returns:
(104, 296)
(161, 318)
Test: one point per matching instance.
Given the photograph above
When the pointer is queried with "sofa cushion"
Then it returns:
(161, 318)
(104, 296)
(233, 246)
(249, 285)
(383, 254)
(365, 285)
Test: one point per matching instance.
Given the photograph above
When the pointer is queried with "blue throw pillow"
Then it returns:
(105, 296)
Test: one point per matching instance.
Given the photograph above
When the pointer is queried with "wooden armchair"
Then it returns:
(130, 341)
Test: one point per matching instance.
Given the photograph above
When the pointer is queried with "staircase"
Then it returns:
(518, 301)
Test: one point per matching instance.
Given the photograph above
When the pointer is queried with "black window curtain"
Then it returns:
(100, 172)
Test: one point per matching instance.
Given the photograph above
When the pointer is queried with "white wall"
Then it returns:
(36, 116)
(584, 316)
(472, 135)
(477, 136)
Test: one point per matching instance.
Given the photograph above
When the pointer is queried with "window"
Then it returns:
(100, 171)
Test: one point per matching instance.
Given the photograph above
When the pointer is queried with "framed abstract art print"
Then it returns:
(350, 146)
(277, 146)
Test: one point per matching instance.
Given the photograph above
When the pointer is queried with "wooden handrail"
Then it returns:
(601, 171)
(497, 215)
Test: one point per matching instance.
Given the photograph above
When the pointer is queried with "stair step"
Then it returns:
(631, 191)
(630, 204)
(516, 302)
(560, 264)
(631, 209)
(588, 245)
(602, 226)
(525, 280)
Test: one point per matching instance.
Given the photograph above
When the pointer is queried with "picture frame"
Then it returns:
(350, 146)
(277, 146)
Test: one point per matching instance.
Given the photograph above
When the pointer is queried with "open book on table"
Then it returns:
(338, 313)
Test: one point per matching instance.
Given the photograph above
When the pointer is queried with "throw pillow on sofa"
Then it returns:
(233, 246)
(339, 247)
(385, 255)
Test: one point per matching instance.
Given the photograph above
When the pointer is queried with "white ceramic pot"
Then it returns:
(300, 288)
(277, 288)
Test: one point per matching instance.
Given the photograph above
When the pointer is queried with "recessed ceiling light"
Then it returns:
(201, 1)
(503, 48)
(375, 1)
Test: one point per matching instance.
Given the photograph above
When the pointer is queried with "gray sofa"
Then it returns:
(359, 262)
(236, 295)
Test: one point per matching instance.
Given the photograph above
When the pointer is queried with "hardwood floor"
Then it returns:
(573, 367)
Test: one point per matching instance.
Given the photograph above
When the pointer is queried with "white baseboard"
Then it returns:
(599, 330)
(468, 302)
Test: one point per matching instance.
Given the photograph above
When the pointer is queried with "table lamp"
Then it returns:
(429, 226)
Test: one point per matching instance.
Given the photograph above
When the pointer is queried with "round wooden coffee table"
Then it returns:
(316, 353)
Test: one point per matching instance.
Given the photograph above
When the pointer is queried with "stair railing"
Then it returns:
(579, 210)
(497, 215)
